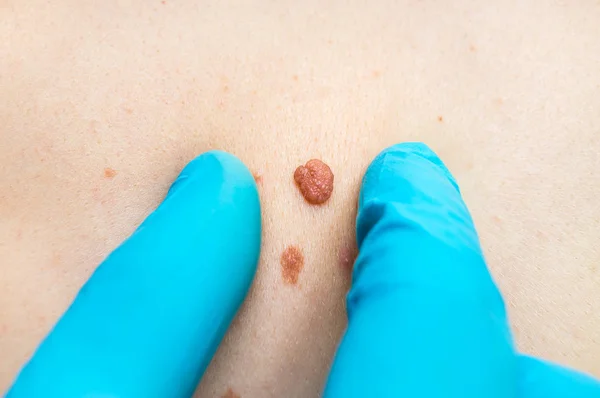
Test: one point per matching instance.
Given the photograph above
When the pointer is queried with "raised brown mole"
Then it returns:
(315, 181)
(292, 262)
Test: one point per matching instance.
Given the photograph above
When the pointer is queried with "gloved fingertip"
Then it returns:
(400, 163)
(420, 291)
(152, 315)
(214, 164)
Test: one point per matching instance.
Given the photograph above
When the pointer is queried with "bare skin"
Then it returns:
(101, 105)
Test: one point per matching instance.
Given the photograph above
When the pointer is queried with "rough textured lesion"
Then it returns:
(315, 181)
(292, 262)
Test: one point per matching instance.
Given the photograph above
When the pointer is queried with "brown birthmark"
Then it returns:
(292, 262)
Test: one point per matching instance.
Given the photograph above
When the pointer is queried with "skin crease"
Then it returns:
(506, 93)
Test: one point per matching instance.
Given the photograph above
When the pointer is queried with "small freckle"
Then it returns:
(295, 77)
(129, 111)
(497, 220)
(109, 173)
(225, 88)
(230, 394)
(258, 178)
(498, 101)
(440, 119)
(292, 262)
(472, 48)
(376, 74)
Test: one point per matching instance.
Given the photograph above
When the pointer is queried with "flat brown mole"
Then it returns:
(315, 181)
(292, 262)
(230, 394)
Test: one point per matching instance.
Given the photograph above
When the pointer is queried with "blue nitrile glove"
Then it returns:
(150, 318)
(425, 318)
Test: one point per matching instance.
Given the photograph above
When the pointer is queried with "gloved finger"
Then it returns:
(150, 318)
(424, 315)
(541, 379)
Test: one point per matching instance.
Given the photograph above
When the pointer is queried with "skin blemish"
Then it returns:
(347, 256)
(109, 173)
(258, 178)
(292, 262)
(129, 111)
(440, 119)
(375, 74)
(295, 77)
(472, 48)
(315, 181)
(230, 394)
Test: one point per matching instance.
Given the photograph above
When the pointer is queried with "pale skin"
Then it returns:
(102, 104)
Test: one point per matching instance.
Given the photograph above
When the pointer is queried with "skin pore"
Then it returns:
(101, 105)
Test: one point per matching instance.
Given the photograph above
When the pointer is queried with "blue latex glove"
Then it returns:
(425, 317)
(149, 320)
